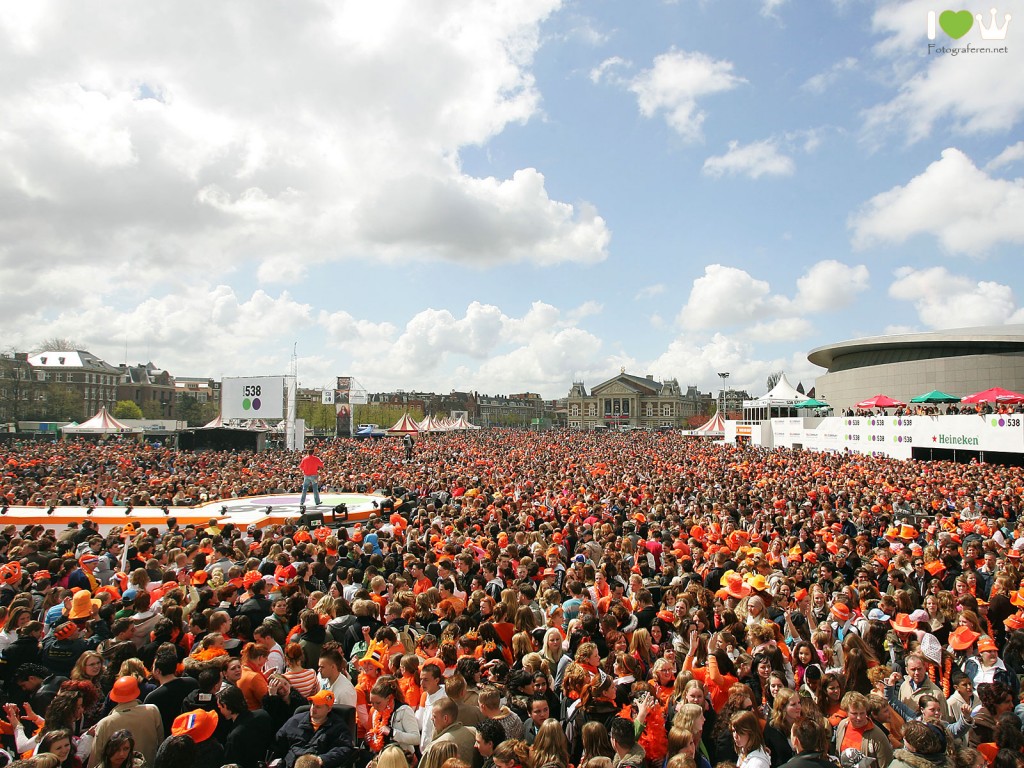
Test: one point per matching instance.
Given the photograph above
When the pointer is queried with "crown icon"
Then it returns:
(992, 32)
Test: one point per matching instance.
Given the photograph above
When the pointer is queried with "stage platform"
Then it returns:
(252, 510)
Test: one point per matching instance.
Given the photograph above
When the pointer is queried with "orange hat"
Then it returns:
(434, 660)
(10, 573)
(250, 578)
(373, 658)
(908, 532)
(935, 567)
(986, 644)
(302, 537)
(810, 557)
(1016, 621)
(842, 612)
(109, 590)
(666, 616)
(735, 587)
(326, 698)
(65, 631)
(962, 638)
(40, 575)
(82, 604)
(801, 594)
(125, 689)
(283, 574)
(198, 725)
(902, 623)
(200, 577)
(757, 583)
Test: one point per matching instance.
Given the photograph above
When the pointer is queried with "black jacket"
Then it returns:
(169, 697)
(809, 760)
(24, 649)
(331, 741)
(209, 754)
(249, 740)
(61, 655)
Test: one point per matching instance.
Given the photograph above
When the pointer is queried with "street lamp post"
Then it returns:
(724, 376)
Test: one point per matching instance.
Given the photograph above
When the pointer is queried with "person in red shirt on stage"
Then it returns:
(310, 467)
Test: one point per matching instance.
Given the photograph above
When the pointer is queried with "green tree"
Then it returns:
(383, 414)
(126, 409)
(208, 411)
(317, 415)
(63, 403)
(151, 409)
(190, 410)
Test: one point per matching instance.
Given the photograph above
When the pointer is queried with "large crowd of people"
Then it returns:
(520, 600)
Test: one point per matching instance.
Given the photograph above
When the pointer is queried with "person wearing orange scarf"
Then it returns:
(392, 721)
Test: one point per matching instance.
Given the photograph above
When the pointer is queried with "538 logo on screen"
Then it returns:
(251, 391)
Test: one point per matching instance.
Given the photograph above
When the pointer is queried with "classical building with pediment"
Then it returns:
(634, 402)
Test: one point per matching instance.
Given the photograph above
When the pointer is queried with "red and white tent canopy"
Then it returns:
(713, 426)
(462, 423)
(215, 424)
(100, 424)
(430, 424)
(405, 426)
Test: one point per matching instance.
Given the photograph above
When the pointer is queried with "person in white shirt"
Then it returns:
(275, 654)
(430, 681)
(749, 740)
(332, 676)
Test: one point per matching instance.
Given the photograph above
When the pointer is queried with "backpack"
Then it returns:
(573, 721)
(407, 639)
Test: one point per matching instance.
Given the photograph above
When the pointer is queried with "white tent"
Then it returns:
(430, 424)
(405, 426)
(100, 424)
(782, 396)
(782, 392)
(463, 423)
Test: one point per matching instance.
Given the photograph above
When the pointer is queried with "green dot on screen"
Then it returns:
(246, 404)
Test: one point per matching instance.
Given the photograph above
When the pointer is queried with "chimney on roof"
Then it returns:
(650, 376)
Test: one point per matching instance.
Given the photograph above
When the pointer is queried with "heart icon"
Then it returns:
(956, 24)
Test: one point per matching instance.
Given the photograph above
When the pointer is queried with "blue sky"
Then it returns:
(503, 196)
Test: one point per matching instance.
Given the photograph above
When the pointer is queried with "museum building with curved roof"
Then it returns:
(958, 361)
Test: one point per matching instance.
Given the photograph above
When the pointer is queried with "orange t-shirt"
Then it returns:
(852, 738)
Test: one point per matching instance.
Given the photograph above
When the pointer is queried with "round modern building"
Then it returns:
(958, 362)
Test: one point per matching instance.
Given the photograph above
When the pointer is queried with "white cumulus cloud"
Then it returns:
(225, 139)
(759, 158)
(675, 83)
(727, 296)
(969, 94)
(967, 210)
(822, 81)
(830, 285)
(946, 300)
(1012, 154)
